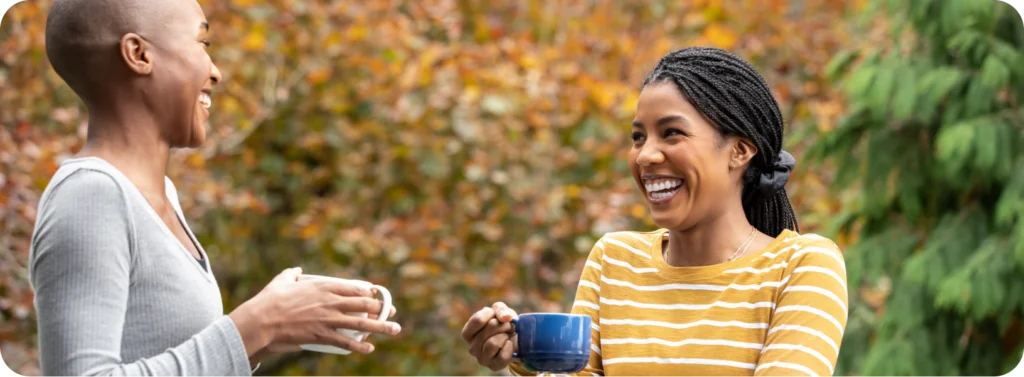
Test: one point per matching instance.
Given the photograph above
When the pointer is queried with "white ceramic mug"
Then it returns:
(348, 333)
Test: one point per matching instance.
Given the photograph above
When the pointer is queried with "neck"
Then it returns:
(129, 140)
(711, 241)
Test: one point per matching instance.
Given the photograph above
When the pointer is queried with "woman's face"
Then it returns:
(185, 75)
(685, 169)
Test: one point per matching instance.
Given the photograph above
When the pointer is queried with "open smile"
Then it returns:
(662, 189)
(206, 100)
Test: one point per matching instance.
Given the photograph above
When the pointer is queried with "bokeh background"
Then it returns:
(466, 151)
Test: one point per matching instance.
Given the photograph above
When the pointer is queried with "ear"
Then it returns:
(136, 53)
(743, 150)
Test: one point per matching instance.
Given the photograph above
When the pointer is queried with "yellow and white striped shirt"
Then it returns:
(778, 311)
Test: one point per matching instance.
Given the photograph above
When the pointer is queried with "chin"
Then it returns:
(195, 142)
(674, 214)
(678, 217)
(668, 221)
(196, 136)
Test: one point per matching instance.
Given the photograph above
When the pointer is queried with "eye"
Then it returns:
(669, 132)
(206, 42)
(638, 137)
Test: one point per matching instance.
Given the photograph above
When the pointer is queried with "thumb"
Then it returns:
(503, 312)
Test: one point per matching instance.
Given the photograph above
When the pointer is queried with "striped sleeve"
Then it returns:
(588, 294)
(810, 314)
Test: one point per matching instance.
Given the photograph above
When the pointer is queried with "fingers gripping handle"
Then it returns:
(385, 309)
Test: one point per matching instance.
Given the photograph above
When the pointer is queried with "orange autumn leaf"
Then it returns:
(254, 41)
(573, 191)
(317, 76)
(720, 36)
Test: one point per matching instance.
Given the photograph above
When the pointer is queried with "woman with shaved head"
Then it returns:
(122, 285)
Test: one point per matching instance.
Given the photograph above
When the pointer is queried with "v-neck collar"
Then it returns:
(184, 253)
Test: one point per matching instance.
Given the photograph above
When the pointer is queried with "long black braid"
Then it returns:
(738, 101)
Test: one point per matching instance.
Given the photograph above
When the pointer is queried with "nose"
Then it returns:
(650, 155)
(215, 74)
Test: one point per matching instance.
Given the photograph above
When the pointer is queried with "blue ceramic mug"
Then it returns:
(553, 342)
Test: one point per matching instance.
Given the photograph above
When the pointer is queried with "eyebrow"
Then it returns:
(664, 120)
(204, 26)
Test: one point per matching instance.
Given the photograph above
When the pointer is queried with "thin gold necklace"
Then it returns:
(743, 247)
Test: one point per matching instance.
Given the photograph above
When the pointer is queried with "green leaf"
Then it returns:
(890, 358)
(882, 87)
(994, 73)
(905, 96)
(936, 85)
(954, 146)
(860, 81)
(840, 63)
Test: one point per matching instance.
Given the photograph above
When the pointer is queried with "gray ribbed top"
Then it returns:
(116, 292)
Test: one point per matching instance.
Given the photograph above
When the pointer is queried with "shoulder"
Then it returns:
(83, 185)
(633, 242)
(83, 210)
(809, 249)
(81, 196)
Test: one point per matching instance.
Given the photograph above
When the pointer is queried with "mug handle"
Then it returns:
(515, 329)
(384, 312)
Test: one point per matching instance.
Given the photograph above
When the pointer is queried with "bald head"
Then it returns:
(83, 37)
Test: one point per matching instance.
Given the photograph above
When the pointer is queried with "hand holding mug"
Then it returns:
(357, 334)
(490, 337)
(290, 312)
(543, 342)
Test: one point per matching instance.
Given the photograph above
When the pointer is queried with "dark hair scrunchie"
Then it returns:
(761, 185)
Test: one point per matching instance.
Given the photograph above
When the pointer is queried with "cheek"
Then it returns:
(203, 68)
(684, 161)
(634, 168)
(631, 160)
(714, 172)
(194, 69)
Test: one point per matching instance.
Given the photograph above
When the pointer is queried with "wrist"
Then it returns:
(252, 328)
(256, 358)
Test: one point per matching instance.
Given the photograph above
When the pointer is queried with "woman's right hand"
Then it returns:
(289, 312)
(490, 337)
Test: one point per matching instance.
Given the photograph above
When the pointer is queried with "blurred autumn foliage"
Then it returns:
(458, 152)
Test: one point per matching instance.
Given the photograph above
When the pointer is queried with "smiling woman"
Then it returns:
(727, 286)
(122, 285)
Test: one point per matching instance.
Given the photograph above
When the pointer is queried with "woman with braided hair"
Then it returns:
(727, 286)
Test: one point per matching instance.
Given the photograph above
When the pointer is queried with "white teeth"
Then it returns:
(663, 185)
(663, 195)
(205, 100)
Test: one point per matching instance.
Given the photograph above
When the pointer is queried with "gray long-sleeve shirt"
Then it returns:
(116, 292)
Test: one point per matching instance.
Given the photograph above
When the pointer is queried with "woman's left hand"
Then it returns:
(276, 347)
